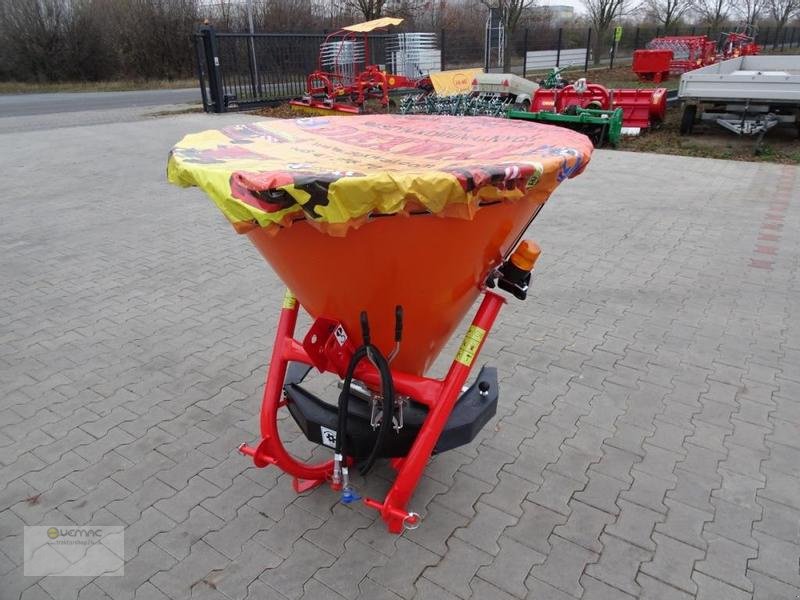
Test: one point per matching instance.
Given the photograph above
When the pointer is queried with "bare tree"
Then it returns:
(750, 10)
(668, 12)
(602, 14)
(782, 11)
(712, 12)
(511, 10)
(370, 9)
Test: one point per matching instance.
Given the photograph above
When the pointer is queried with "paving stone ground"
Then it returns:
(647, 442)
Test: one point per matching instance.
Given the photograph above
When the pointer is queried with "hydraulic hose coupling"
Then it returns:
(336, 477)
(515, 273)
(349, 493)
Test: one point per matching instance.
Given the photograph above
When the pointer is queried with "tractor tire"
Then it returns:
(688, 118)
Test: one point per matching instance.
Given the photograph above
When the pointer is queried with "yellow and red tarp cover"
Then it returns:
(335, 172)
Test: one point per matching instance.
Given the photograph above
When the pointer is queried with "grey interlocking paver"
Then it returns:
(564, 566)
(693, 489)
(369, 589)
(685, 523)
(289, 528)
(779, 521)
(440, 523)
(673, 563)
(777, 558)
(635, 524)
(648, 395)
(427, 590)
(709, 588)
(655, 589)
(509, 493)
(178, 540)
(485, 528)
(458, 567)
(727, 561)
(584, 525)
(402, 568)
(767, 588)
(339, 527)
(511, 566)
(290, 576)
(178, 506)
(464, 492)
(535, 527)
(618, 564)
(734, 521)
(556, 491)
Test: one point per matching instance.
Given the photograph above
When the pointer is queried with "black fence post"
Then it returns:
(636, 39)
(197, 41)
(558, 48)
(658, 32)
(588, 49)
(525, 54)
(791, 39)
(442, 62)
(212, 69)
(255, 86)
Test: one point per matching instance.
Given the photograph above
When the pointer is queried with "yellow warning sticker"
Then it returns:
(469, 347)
(289, 301)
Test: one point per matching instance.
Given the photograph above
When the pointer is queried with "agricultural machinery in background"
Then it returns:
(675, 55)
(345, 78)
(491, 94)
(601, 113)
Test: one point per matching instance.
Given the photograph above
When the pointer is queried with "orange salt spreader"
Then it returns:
(386, 229)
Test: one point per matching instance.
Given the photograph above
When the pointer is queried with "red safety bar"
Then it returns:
(440, 395)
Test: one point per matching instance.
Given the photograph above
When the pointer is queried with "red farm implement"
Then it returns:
(736, 44)
(345, 79)
(387, 229)
(674, 55)
(641, 108)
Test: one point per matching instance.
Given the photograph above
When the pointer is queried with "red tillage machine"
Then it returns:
(641, 108)
(386, 229)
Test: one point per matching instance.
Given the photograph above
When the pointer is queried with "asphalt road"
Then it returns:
(20, 105)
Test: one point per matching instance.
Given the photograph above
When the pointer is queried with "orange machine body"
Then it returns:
(433, 266)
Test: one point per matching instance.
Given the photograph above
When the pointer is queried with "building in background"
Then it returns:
(555, 13)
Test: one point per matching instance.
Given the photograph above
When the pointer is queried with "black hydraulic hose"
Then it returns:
(344, 399)
(387, 388)
(367, 350)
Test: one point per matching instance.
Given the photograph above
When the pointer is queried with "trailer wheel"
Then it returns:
(687, 119)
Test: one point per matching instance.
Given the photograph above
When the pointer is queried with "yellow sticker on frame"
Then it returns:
(289, 300)
(469, 347)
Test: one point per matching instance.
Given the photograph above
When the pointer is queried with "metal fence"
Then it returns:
(242, 71)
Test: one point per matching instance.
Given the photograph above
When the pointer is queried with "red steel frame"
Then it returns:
(439, 395)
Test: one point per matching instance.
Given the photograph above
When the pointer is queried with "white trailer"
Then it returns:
(748, 95)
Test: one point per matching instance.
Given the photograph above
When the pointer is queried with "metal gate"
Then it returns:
(239, 71)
